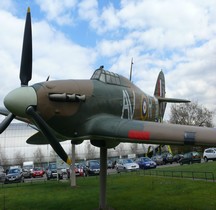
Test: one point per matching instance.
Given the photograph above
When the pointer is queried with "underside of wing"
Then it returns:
(39, 138)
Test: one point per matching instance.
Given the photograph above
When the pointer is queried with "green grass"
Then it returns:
(125, 191)
(198, 171)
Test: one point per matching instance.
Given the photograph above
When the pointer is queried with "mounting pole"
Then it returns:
(72, 166)
(103, 177)
(131, 67)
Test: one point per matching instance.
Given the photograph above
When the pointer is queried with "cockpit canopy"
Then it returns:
(106, 77)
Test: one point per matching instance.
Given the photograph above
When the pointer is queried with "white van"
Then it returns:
(28, 165)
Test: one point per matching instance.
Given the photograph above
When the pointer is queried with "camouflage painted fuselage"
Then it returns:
(69, 116)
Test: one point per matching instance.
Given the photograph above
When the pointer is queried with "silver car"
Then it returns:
(126, 165)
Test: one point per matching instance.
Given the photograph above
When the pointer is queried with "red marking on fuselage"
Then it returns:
(141, 135)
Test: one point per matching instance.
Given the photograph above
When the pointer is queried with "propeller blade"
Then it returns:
(26, 59)
(6, 122)
(53, 141)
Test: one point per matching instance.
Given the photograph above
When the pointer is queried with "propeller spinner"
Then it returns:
(22, 101)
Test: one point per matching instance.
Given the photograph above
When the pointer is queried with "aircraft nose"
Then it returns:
(19, 99)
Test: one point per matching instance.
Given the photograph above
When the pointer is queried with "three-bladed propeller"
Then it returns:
(23, 101)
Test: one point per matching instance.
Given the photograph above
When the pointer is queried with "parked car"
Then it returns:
(158, 159)
(52, 172)
(17, 166)
(177, 157)
(91, 167)
(14, 175)
(27, 173)
(190, 157)
(37, 172)
(109, 164)
(79, 168)
(79, 171)
(209, 154)
(167, 158)
(126, 165)
(146, 163)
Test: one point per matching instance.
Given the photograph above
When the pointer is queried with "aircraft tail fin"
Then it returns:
(160, 93)
(160, 86)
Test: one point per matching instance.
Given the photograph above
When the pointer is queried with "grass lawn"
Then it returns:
(198, 171)
(125, 191)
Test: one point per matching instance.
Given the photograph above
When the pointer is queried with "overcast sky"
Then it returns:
(71, 38)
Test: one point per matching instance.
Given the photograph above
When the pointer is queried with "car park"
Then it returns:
(14, 175)
(146, 163)
(91, 167)
(158, 159)
(190, 157)
(37, 172)
(126, 165)
(209, 154)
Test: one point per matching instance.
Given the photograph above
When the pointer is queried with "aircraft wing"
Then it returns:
(125, 130)
(39, 138)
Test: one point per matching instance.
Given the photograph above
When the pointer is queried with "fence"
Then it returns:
(208, 176)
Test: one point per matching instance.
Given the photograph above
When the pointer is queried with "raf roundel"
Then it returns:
(144, 107)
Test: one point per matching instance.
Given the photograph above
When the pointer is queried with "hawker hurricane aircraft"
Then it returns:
(107, 109)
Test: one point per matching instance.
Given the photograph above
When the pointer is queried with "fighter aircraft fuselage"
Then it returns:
(67, 105)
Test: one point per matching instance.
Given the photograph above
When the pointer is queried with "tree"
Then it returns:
(38, 155)
(191, 114)
(89, 151)
(134, 148)
(3, 157)
(120, 150)
(110, 152)
(19, 158)
(52, 155)
(77, 157)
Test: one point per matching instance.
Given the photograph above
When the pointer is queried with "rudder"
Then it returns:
(160, 93)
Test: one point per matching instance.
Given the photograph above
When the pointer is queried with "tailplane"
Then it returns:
(160, 93)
